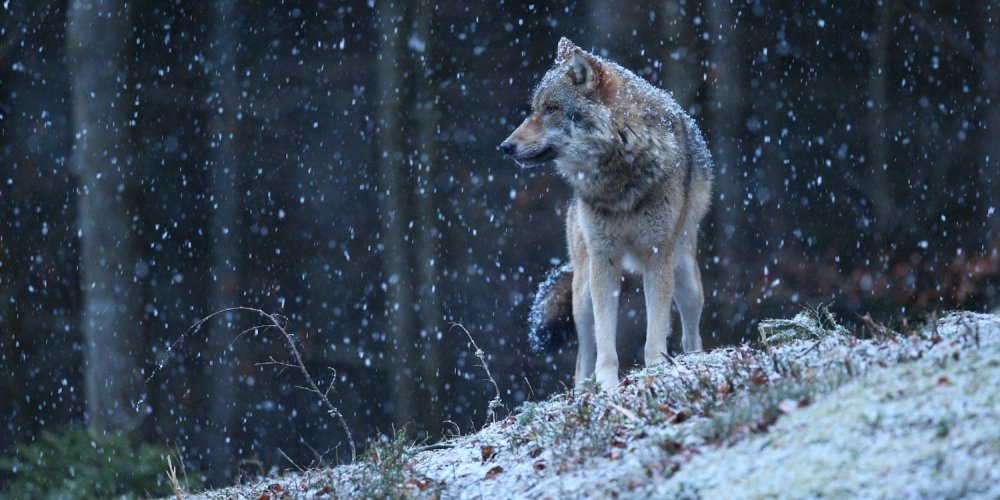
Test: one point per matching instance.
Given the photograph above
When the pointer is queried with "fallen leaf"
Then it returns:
(274, 490)
(534, 453)
(664, 409)
(618, 443)
(944, 380)
(492, 473)
(671, 446)
(421, 485)
(680, 417)
(766, 423)
(539, 465)
(488, 452)
(323, 491)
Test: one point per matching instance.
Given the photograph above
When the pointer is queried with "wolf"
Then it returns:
(641, 176)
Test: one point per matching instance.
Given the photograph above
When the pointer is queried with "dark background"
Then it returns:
(336, 162)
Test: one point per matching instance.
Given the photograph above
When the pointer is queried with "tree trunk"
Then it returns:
(680, 59)
(989, 174)
(618, 35)
(725, 113)
(97, 36)
(226, 224)
(879, 189)
(605, 29)
(427, 255)
(394, 201)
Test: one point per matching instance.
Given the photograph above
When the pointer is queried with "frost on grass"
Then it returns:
(810, 324)
(817, 413)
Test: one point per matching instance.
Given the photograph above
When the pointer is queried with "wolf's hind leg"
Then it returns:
(658, 285)
(583, 317)
(689, 295)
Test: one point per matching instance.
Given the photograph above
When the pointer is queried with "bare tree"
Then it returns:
(680, 59)
(226, 172)
(97, 38)
(878, 188)
(394, 207)
(425, 196)
(615, 33)
(725, 114)
(990, 88)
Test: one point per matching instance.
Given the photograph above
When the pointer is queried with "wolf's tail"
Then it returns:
(550, 323)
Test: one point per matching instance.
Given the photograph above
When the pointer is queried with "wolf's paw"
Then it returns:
(607, 382)
(655, 357)
(586, 385)
(691, 343)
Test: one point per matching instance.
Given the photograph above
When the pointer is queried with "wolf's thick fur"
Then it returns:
(642, 180)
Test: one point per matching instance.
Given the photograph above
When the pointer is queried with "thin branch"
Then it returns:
(496, 402)
(319, 456)
(172, 475)
(283, 454)
(277, 322)
(433, 447)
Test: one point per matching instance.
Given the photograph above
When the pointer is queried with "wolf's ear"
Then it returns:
(582, 72)
(566, 50)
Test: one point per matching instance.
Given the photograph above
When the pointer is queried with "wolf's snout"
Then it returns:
(508, 148)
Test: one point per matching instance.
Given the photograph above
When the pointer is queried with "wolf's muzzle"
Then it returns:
(508, 148)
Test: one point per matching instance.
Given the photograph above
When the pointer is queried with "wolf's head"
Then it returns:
(570, 114)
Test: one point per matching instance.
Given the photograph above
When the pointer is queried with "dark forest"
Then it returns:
(336, 163)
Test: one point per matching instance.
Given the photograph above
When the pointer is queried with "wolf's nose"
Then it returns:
(508, 148)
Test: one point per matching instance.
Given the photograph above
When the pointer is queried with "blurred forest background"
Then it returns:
(336, 162)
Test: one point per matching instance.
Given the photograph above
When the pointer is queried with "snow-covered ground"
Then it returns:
(815, 412)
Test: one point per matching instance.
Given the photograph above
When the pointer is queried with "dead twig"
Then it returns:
(172, 475)
(496, 403)
(283, 454)
(457, 432)
(277, 322)
(433, 447)
(810, 349)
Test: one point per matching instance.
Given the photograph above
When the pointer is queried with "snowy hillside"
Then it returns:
(816, 411)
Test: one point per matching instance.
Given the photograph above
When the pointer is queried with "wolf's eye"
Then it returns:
(550, 108)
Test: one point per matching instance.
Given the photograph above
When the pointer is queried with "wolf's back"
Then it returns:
(550, 323)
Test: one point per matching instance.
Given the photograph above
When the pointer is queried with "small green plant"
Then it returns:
(810, 324)
(583, 429)
(527, 414)
(76, 464)
(386, 469)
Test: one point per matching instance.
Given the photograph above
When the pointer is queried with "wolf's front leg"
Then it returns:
(583, 318)
(605, 285)
(658, 283)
